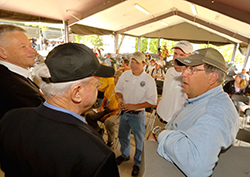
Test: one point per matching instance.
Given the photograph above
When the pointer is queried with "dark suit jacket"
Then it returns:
(17, 91)
(44, 142)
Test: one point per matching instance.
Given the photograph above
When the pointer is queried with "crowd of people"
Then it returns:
(43, 43)
(49, 127)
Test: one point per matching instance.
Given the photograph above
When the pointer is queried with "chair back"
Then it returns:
(243, 135)
(247, 112)
(242, 98)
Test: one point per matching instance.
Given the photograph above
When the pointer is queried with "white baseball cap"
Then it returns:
(138, 56)
(159, 63)
(185, 46)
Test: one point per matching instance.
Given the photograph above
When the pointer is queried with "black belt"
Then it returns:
(134, 112)
(161, 120)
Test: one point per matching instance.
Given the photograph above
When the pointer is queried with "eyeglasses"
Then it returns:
(190, 70)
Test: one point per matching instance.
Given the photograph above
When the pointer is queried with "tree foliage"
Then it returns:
(41, 27)
(227, 52)
(94, 40)
(78, 38)
(143, 44)
(153, 45)
(170, 44)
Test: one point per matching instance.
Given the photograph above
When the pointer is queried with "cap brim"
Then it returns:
(178, 47)
(189, 61)
(105, 71)
(138, 60)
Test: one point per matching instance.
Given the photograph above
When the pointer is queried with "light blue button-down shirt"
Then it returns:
(64, 110)
(107, 60)
(198, 131)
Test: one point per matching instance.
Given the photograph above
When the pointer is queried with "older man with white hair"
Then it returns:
(53, 139)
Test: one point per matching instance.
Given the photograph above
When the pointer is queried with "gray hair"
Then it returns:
(10, 29)
(54, 89)
(221, 75)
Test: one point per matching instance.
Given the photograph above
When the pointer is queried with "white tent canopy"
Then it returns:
(122, 17)
(221, 21)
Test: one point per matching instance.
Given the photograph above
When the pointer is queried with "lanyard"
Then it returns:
(112, 94)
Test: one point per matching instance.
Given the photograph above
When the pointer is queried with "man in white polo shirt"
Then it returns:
(135, 91)
(172, 96)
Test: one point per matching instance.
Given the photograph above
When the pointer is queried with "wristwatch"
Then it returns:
(156, 131)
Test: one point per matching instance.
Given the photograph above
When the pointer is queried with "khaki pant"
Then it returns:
(110, 123)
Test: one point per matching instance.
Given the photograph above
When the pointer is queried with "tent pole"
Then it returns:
(116, 41)
(139, 44)
(247, 55)
(159, 42)
(236, 46)
(159, 46)
(66, 31)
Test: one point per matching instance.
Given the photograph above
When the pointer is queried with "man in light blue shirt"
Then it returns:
(206, 123)
(110, 61)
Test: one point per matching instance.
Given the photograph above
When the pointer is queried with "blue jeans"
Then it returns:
(136, 123)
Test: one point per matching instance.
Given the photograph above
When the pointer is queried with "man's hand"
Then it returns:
(121, 105)
(130, 107)
(151, 137)
(100, 109)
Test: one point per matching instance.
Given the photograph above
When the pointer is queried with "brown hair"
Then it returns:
(126, 61)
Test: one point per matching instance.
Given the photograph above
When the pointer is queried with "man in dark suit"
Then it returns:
(53, 139)
(16, 56)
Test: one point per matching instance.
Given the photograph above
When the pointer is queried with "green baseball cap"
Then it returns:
(208, 55)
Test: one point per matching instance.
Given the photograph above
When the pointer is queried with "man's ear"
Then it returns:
(76, 93)
(213, 78)
(3, 53)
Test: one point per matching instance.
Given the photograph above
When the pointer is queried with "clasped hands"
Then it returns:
(126, 107)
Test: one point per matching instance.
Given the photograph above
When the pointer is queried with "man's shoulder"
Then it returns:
(147, 78)
(127, 73)
(5, 70)
(16, 115)
(220, 102)
(9, 78)
(171, 70)
(6, 73)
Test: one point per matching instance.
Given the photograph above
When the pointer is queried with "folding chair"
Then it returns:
(245, 99)
(243, 135)
(159, 86)
(150, 121)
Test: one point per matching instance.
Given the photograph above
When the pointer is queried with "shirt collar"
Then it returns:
(208, 94)
(131, 73)
(64, 110)
(16, 69)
